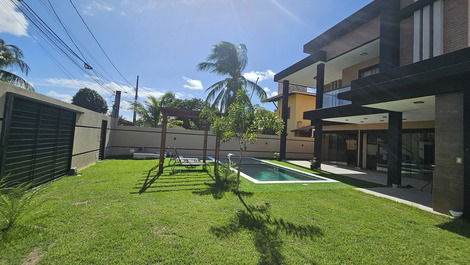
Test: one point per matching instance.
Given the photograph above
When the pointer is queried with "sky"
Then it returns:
(162, 41)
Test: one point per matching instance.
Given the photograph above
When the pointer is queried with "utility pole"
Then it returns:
(135, 99)
(117, 104)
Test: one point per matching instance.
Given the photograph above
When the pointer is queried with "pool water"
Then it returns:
(261, 171)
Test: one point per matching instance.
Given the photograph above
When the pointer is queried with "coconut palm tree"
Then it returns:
(10, 57)
(150, 113)
(229, 60)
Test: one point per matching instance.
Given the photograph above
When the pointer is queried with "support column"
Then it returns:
(394, 152)
(389, 35)
(449, 178)
(466, 155)
(163, 144)
(284, 115)
(318, 135)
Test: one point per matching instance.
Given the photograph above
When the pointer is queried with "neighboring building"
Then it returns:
(299, 101)
(393, 94)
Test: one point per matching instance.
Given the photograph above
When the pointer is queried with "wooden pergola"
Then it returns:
(181, 113)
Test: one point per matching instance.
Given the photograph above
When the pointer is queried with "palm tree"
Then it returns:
(150, 113)
(11, 56)
(229, 60)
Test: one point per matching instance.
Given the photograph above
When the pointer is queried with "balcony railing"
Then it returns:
(330, 99)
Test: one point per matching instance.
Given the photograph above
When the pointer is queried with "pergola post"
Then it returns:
(206, 134)
(217, 155)
(161, 162)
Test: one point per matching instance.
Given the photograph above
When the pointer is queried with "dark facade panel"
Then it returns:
(447, 73)
(351, 23)
(37, 140)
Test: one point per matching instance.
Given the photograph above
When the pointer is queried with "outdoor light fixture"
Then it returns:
(418, 102)
(364, 54)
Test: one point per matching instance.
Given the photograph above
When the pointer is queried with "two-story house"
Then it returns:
(393, 94)
(300, 99)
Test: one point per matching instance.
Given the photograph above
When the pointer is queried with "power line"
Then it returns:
(56, 41)
(51, 8)
(97, 42)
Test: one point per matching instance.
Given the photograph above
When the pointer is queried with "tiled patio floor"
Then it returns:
(418, 195)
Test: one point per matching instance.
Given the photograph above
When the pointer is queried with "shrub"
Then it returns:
(15, 203)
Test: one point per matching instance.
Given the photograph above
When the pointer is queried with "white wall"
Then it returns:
(190, 142)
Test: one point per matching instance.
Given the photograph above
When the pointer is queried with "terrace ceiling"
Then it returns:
(334, 67)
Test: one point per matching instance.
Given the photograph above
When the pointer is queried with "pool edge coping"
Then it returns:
(324, 179)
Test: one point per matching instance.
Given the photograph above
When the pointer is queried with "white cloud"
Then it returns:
(97, 5)
(64, 97)
(145, 92)
(12, 21)
(267, 89)
(262, 75)
(274, 93)
(104, 89)
(193, 84)
(125, 105)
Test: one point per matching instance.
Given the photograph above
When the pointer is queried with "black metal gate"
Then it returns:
(37, 140)
(104, 129)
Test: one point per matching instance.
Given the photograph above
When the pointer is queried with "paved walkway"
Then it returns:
(415, 196)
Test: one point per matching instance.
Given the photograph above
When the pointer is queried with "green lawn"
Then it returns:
(100, 218)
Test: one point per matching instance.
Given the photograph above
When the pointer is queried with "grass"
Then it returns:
(100, 218)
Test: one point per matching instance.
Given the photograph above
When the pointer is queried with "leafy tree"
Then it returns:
(244, 122)
(90, 99)
(190, 104)
(11, 57)
(150, 113)
(229, 60)
(124, 122)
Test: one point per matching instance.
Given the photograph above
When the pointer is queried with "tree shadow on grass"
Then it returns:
(265, 230)
(178, 181)
(458, 226)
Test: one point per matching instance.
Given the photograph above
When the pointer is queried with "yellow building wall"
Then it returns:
(298, 104)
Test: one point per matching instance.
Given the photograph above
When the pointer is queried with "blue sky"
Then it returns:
(164, 40)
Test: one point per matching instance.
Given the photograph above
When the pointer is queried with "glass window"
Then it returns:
(369, 71)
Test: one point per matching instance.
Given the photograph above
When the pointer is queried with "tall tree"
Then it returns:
(12, 57)
(228, 59)
(150, 113)
(90, 99)
(244, 122)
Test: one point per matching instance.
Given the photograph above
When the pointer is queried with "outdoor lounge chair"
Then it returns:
(187, 162)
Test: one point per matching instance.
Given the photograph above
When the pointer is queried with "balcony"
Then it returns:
(330, 98)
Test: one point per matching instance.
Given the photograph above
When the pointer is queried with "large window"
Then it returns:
(428, 30)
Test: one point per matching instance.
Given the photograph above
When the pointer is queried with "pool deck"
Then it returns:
(419, 195)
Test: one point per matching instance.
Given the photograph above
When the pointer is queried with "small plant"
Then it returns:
(15, 203)
(277, 156)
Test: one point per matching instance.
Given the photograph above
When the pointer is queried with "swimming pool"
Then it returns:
(264, 172)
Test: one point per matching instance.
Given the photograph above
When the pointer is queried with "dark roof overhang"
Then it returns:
(340, 111)
(349, 24)
(447, 73)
